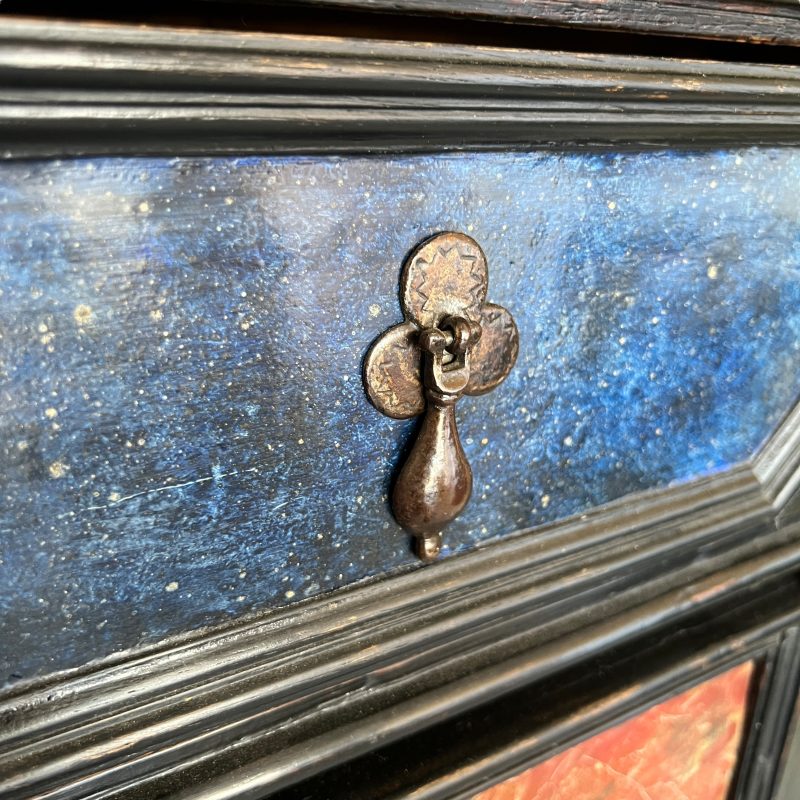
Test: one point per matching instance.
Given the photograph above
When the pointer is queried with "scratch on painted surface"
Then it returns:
(171, 487)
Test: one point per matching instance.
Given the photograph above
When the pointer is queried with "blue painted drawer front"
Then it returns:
(185, 436)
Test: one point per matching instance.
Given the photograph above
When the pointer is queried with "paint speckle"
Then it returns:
(58, 469)
(144, 207)
(712, 271)
(611, 205)
(156, 315)
(374, 310)
(172, 586)
(51, 413)
(289, 595)
(82, 314)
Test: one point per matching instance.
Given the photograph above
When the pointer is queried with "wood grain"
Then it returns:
(757, 21)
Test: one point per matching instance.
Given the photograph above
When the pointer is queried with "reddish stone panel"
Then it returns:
(683, 749)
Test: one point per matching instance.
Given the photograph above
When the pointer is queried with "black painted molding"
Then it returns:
(75, 89)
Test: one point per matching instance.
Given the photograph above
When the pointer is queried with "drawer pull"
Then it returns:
(452, 343)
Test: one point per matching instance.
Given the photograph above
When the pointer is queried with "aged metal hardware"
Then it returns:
(453, 342)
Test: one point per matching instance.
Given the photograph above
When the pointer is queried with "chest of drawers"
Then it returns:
(205, 592)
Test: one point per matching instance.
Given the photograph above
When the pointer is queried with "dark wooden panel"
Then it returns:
(687, 744)
(763, 21)
(462, 24)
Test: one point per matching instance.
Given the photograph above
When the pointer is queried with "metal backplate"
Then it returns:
(446, 275)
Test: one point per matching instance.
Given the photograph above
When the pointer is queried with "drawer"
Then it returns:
(187, 437)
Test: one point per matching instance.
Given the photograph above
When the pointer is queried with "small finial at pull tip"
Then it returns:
(428, 547)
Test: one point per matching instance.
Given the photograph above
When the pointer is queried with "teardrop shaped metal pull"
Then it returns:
(452, 343)
(435, 482)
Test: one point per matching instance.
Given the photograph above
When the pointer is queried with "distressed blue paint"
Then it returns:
(185, 436)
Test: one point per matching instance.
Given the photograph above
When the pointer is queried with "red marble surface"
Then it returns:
(683, 749)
